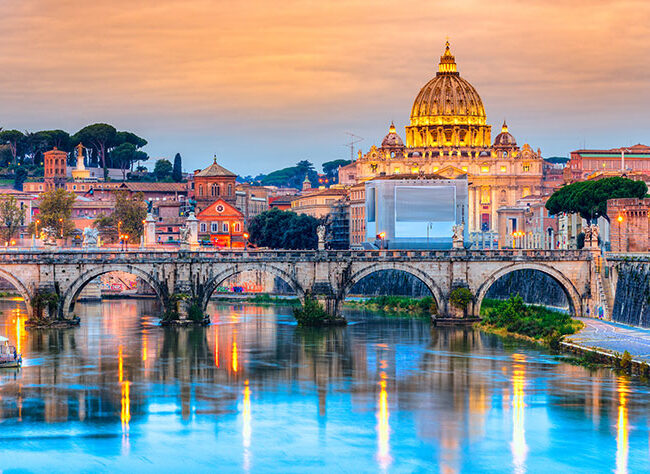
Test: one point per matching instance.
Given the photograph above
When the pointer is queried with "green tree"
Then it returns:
(20, 175)
(124, 155)
(14, 139)
(177, 172)
(11, 217)
(163, 170)
(589, 198)
(283, 230)
(129, 137)
(130, 211)
(331, 169)
(101, 136)
(56, 211)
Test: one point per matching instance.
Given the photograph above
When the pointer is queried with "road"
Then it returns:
(614, 337)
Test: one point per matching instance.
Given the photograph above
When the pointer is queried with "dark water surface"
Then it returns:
(253, 392)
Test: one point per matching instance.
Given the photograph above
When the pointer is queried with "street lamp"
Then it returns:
(61, 223)
(381, 237)
(620, 221)
(246, 240)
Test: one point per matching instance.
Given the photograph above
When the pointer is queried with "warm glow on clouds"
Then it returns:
(264, 84)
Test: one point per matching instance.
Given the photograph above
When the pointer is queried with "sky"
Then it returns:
(264, 84)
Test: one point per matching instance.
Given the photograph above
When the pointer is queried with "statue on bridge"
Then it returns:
(320, 232)
(49, 235)
(458, 239)
(91, 236)
(184, 237)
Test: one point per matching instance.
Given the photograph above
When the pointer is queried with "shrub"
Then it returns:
(313, 314)
(625, 362)
(42, 300)
(461, 298)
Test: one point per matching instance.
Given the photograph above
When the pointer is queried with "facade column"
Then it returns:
(470, 209)
(493, 207)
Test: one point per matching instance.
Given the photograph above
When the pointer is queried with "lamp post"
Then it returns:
(61, 223)
(35, 234)
(126, 241)
(246, 240)
(620, 221)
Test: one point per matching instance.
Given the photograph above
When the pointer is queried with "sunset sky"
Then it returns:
(266, 84)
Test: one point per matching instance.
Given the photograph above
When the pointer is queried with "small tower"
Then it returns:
(55, 164)
(306, 184)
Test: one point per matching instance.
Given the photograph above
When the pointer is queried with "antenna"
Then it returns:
(354, 139)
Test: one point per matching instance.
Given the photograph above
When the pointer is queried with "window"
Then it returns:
(200, 190)
(525, 191)
(230, 190)
(485, 168)
(224, 227)
(397, 170)
(435, 168)
(525, 167)
(503, 169)
(214, 190)
(214, 227)
(415, 170)
(464, 168)
(204, 227)
(237, 227)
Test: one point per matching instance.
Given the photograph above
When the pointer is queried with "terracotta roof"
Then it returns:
(215, 170)
(155, 187)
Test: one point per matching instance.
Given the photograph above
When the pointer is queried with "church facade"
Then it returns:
(449, 136)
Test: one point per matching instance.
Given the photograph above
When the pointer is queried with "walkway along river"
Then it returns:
(253, 392)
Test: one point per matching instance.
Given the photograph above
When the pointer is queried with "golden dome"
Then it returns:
(448, 98)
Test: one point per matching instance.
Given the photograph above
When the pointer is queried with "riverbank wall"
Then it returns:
(632, 299)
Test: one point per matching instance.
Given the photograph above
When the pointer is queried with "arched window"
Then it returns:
(200, 190)
(237, 227)
(215, 190)
(230, 190)
(204, 227)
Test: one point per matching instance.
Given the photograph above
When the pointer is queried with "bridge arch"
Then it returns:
(71, 293)
(572, 294)
(20, 288)
(398, 266)
(214, 281)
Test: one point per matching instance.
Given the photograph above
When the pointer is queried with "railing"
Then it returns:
(77, 255)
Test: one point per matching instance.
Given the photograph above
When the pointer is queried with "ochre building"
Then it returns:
(449, 135)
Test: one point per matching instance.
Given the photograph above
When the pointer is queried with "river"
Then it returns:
(252, 392)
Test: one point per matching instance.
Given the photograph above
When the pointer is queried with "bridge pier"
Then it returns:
(323, 292)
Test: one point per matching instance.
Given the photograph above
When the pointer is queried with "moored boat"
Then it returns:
(8, 355)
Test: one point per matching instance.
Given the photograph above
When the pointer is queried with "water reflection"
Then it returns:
(622, 427)
(378, 395)
(519, 447)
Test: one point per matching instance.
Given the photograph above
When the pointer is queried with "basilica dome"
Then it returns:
(392, 139)
(504, 138)
(447, 98)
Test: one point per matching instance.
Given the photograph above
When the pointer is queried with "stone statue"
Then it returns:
(595, 230)
(320, 231)
(91, 236)
(458, 239)
(192, 204)
(184, 233)
(587, 232)
(49, 235)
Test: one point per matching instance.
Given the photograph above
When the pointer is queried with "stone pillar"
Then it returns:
(149, 231)
(193, 224)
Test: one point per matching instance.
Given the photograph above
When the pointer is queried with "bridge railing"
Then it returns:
(143, 255)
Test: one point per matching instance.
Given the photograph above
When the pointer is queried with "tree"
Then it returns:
(100, 136)
(56, 211)
(14, 139)
(130, 211)
(589, 198)
(125, 155)
(20, 175)
(283, 230)
(163, 170)
(331, 169)
(11, 217)
(177, 172)
(129, 137)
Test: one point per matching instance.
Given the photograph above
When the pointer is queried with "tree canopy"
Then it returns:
(130, 211)
(11, 217)
(278, 229)
(56, 211)
(331, 169)
(293, 176)
(177, 172)
(589, 198)
(163, 170)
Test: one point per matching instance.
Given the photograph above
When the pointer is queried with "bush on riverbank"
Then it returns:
(422, 306)
(312, 314)
(536, 322)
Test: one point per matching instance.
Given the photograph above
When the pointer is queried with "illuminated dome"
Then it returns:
(504, 138)
(392, 139)
(448, 98)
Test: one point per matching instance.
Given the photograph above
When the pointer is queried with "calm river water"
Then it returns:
(253, 392)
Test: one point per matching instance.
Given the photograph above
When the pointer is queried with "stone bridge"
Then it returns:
(327, 275)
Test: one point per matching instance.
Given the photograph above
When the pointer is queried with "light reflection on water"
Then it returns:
(254, 392)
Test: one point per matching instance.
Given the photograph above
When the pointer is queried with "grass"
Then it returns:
(399, 304)
(540, 324)
(312, 314)
(263, 298)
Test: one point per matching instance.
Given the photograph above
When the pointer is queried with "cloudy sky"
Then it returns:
(264, 84)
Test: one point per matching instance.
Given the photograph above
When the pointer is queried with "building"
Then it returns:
(317, 203)
(55, 168)
(338, 226)
(617, 161)
(222, 224)
(212, 184)
(281, 202)
(527, 225)
(251, 200)
(406, 211)
(357, 213)
(448, 130)
(629, 224)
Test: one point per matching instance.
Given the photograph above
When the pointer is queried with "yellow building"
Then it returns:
(448, 135)
(317, 203)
